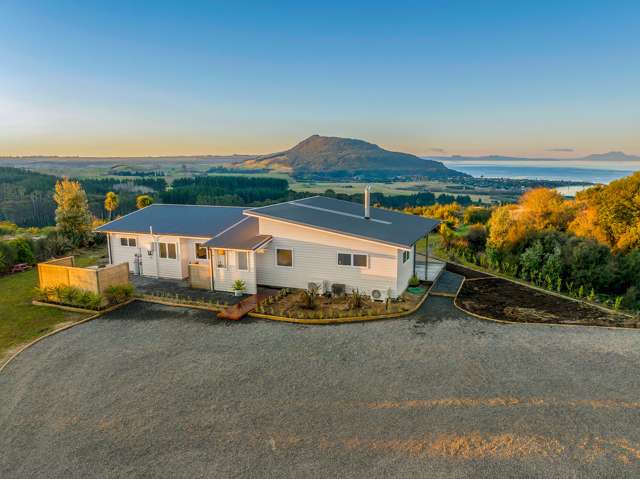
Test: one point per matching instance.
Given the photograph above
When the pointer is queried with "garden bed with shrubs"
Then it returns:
(78, 298)
(303, 304)
(504, 300)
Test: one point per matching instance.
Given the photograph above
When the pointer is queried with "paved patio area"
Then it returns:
(173, 287)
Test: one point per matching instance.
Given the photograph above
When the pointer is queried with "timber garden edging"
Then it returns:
(350, 319)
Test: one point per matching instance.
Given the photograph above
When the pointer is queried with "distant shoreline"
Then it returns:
(553, 173)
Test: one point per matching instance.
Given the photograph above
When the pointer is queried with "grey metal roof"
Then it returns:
(178, 220)
(243, 236)
(384, 226)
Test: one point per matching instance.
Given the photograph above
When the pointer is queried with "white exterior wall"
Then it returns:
(122, 254)
(405, 270)
(223, 278)
(315, 258)
(166, 267)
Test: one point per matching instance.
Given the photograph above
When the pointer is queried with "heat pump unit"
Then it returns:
(376, 294)
(338, 289)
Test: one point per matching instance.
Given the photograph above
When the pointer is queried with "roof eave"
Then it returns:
(351, 235)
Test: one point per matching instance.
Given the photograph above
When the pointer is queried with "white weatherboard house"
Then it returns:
(321, 240)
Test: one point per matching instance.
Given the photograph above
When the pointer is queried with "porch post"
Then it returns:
(109, 247)
(414, 258)
(210, 268)
(426, 256)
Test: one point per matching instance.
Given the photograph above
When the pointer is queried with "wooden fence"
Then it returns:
(63, 271)
(199, 276)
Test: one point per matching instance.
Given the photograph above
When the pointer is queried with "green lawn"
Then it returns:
(20, 321)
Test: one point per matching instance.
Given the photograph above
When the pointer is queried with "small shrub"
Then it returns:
(356, 299)
(7, 228)
(239, 285)
(40, 294)
(24, 251)
(119, 293)
(414, 281)
(618, 302)
(89, 300)
(69, 296)
(308, 299)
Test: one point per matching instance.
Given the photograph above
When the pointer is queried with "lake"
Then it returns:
(593, 175)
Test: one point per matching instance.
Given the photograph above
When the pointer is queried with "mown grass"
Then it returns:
(20, 321)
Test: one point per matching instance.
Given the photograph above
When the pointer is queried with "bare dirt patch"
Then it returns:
(497, 298)
(466, 272)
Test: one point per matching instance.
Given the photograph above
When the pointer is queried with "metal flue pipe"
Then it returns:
(367, 202)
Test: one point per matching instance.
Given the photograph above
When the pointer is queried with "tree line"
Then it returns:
(588, 247)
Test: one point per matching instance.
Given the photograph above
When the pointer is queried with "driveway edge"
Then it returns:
(59, 330)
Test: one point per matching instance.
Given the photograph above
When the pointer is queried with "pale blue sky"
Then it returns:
(135, 78)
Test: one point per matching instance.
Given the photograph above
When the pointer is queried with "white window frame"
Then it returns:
(128, 239)
(246, 254)
(352, 265)
(167, 244)
(292, 258)
(408, 256)
(225, 255)
(195, 251)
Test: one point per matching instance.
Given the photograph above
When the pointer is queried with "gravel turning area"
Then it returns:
(153, 391)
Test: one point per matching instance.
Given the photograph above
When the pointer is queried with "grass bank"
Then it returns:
(20, 321)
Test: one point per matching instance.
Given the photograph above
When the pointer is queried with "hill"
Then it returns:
(333, 157)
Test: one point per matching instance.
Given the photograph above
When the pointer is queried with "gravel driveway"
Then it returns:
(153, 391)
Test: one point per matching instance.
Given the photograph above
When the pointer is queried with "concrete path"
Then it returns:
(448, 284)
(153, 391)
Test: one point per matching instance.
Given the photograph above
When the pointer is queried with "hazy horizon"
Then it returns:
(128, 79)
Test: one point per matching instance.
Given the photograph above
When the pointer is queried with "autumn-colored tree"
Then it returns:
(449, 213)
(73, 217)
(111, 203)
(542, 208)
(447, 235)
(610, 214)
(505, 229)
(476, 215)
(143, 201)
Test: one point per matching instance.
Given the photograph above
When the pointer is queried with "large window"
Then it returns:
(344, 259)
(353, 259)
(284, 257)
(243, 260)
(360, 260)
(201, 251)
(168, 250)
(221, 261)
(405, 256)
(128, 242)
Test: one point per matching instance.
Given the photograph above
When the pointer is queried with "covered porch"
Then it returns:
(426, 267)
(429, 270)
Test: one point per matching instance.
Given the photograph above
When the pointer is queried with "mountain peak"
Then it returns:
(335, 157)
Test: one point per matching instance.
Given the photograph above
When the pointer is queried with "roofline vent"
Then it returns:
(367, 202)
